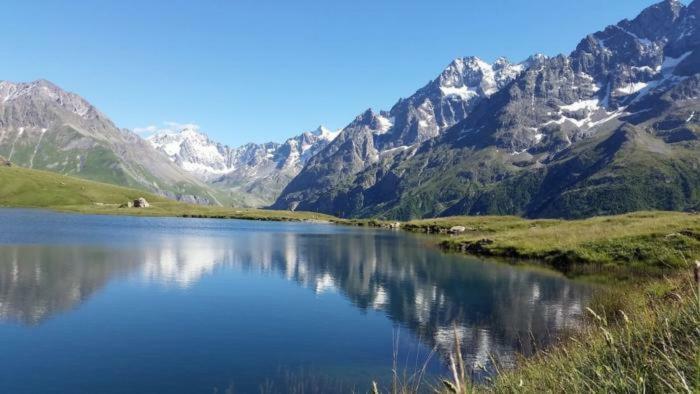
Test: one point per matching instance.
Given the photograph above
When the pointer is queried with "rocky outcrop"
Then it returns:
(141, 203)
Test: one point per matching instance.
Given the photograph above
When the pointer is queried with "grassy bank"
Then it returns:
(625, 245)
(25, 188)
(642, 332)
(650, 346)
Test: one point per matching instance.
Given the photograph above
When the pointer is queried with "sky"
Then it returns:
(257, 71)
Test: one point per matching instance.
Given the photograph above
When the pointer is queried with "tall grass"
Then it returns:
(652, 347)
(655, 348)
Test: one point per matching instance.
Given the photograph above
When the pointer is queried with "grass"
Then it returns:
(21, 187)
(645, 341)
(641, 242)
(654, 347)
(644, 333)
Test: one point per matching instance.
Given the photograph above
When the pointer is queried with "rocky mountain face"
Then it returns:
(255, 173)
(374, 137)
(44, 127)
(610, 128)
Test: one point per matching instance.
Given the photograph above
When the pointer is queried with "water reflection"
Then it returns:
(494, 308)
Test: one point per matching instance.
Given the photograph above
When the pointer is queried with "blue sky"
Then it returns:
(265, 70)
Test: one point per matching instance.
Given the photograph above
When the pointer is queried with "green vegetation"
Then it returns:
(644, 333)
(21, 187)
(652, 348)
(641, 242)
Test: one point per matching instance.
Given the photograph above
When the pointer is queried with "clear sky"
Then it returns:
(253, 71)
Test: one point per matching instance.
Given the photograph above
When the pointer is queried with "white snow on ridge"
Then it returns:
(194, 152)
(467, 78)
(631, 88)
(463, 92)
(595, 114)
(325, 133)
(384, 123)
(583, 104)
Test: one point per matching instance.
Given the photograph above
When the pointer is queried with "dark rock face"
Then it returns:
(610, 128)
(375, 137)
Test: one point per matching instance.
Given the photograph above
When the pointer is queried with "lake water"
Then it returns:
(100, 304)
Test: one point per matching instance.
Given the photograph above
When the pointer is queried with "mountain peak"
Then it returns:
(500, 63)
(366, 116)
(535, 59)
(46, 90)
(320, 130)
(325, 133)
(470, 77)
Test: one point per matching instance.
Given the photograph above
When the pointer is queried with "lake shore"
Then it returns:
(645, 256)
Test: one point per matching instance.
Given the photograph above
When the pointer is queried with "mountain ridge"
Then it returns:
(44, 127)
(257, 171)
(502, 157)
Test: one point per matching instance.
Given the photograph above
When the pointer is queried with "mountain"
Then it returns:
(609, 128)
(45, 127)
(256, 173)
(374, 137)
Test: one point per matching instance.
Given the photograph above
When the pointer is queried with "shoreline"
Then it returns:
(499, 237)
(642, 296)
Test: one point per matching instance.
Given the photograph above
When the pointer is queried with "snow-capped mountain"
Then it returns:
(45, 127)
(612, 127)
(444, 101)
(259, 171)
(372, 137)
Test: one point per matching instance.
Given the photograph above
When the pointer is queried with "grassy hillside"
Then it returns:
(21, 187)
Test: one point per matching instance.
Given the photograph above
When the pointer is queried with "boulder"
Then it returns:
(457, 229)
(141, 203)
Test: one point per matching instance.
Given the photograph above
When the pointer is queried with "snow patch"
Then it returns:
(583, 104)
(384, 124)
(631, 88)
(463, 92)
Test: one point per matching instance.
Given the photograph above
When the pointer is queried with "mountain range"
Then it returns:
(610, 127)
(45, 127)
(256, 173)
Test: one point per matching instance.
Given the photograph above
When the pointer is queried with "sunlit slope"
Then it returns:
(21, 187)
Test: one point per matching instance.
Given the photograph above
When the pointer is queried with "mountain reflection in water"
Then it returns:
(496, 309)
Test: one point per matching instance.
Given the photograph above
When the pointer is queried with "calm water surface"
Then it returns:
(99, 304)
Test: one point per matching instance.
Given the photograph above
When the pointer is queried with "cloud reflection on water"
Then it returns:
(495, 308)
